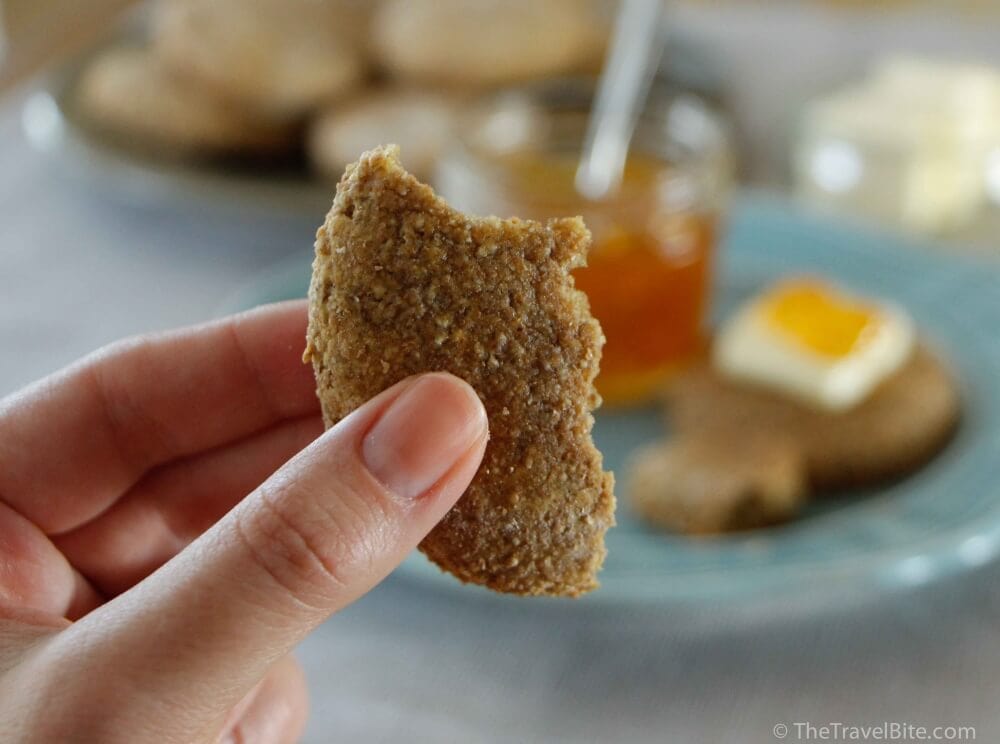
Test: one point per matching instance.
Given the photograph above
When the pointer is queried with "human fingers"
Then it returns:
(175, 503)
(21, 628)
(201, 631)
(275, 712)
(35, 574)
(71, 444)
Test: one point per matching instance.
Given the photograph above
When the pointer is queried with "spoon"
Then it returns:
(621, 93)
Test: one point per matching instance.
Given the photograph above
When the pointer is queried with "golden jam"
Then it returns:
(651, 307)
(818, 317)
(648, 270)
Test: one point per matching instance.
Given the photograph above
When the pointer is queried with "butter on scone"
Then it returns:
(404, 284)
(806, 338)
(809, 389)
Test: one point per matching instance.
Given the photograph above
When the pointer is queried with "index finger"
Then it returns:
(72, 443)
(199, 632)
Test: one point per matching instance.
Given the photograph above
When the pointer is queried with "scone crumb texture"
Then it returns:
(403, 284)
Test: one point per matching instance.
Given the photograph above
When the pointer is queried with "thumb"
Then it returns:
(322, 531)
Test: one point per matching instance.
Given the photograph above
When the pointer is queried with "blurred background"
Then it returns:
(166, 162)
(806, 87)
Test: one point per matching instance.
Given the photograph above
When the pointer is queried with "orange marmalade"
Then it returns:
(648, 270)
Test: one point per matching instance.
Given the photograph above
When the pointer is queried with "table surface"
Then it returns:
(78, 270)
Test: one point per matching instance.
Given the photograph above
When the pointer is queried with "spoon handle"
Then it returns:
(621, 94)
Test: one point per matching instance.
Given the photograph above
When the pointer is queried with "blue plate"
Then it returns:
(939, 521)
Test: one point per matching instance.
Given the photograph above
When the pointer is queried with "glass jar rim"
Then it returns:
(678, 128)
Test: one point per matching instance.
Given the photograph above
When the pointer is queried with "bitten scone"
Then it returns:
(404, 284)
(126, 92)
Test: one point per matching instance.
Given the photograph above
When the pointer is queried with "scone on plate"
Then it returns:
(477, 43)
(904, 422)
(713, 482)
(279, 57)
(805, 379)
(404, 284)
(127, 93)
(422, 122)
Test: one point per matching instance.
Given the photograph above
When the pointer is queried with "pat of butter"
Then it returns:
(909, 144)
(812, 341)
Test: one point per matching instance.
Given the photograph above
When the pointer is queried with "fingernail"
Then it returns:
(423, 434)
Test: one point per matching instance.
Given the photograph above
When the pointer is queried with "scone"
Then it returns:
(837, 387)
(404, 284)
(279, 57)
(421, 121)
(127, 93)
(712, 482)
(903, 423)
(482, 42)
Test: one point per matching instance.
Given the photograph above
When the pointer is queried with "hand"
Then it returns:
(144, 597)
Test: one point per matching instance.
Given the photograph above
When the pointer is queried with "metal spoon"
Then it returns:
(621, 94)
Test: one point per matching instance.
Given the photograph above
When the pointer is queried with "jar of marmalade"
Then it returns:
(649, 268)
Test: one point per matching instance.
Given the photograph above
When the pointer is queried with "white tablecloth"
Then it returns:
(410, 665)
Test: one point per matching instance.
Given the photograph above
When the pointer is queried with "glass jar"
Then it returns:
(649, 268)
